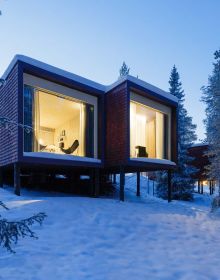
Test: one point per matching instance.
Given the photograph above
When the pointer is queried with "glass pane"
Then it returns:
(148, 132)
(89, 130)
(61, 125)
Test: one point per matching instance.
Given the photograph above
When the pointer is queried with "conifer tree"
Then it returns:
(124, 70)
(211, 97)
(182, 182)
(11, 231)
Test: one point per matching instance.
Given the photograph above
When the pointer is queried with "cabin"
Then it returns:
(56, 122)
(200, 161)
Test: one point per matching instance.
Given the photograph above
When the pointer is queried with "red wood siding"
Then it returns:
(9, 109)
(200, 160)
(117, 126)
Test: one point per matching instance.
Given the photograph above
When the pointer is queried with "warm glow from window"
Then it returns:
(62, 125)
(147, 132)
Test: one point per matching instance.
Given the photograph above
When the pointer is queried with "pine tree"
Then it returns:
(182, 182)
(124, 70)
(211, 97)
(11, 231)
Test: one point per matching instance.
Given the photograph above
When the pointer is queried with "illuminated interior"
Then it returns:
(148, 132)
(61, 124)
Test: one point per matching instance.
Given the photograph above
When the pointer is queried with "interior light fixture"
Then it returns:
(141, 118)
(40, 141)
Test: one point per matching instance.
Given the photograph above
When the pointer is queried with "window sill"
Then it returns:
(60, 156)
(154, 160)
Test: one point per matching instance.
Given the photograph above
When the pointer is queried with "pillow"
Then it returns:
(52, 149)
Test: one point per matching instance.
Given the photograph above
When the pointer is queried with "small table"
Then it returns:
(141, 151)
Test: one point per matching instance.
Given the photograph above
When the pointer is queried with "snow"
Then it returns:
(154, 160)
(145, 85)
(52, 69)
(85, 81)
(101, 238)
(61, 156)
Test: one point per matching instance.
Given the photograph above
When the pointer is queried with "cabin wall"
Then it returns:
(117, 126)
(199, 160)
(9, 108)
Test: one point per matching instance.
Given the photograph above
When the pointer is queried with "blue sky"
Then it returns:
(93, 37)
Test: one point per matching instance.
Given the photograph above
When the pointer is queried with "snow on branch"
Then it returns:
(10, 232)
(4, 206)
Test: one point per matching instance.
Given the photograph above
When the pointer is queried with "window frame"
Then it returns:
(159, 107)
(67, 93)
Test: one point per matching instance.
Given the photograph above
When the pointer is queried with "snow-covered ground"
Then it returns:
(104, 239)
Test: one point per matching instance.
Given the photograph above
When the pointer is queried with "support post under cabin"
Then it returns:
(96, 182)
(138, 184)
(169, 177)
(17, 182)
(91, 182)
(153, 187)
(1, 177)
(148, 184)
(114, 178)
(122, 184)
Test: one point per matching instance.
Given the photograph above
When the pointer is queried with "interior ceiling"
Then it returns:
(145, 111)
(54, 111)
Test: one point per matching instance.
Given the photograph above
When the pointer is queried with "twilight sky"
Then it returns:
(92, 38)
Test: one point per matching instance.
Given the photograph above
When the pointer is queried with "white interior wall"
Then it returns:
(46, 137)
(151, 139)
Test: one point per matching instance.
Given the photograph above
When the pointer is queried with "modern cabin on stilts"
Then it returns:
(61, 123)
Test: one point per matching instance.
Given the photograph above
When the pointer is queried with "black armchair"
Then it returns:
(71, 149)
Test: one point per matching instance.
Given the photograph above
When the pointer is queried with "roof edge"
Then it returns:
(82, 80)
(144, 85)
(53, 69)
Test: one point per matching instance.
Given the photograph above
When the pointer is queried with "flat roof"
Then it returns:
(85, 81)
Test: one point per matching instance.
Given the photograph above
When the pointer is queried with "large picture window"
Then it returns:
(148, 132)
(60, 124)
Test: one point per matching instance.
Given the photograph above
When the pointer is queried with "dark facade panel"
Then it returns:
(117, 126)
(9, 108)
